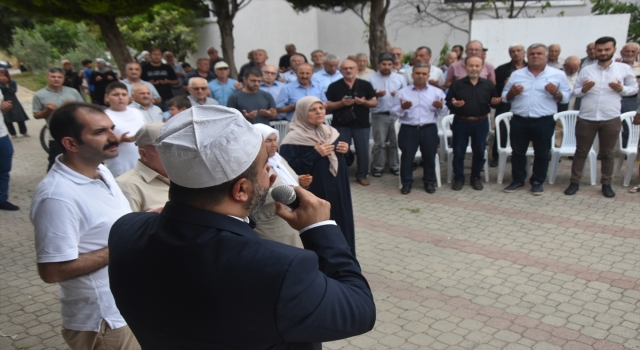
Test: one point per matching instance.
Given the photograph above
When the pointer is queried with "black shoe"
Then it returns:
(493, 163)
(377, 173)
(405, 189)
(457, 185)
(572, 189)
(430, 188)
(476, 184)
(513, 187)
(536, 189)
(8, 206)
(607, 191)
(395, 172)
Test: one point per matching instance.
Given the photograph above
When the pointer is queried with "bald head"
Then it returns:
(142, 95)
(591, 51)
(269, 73)
(572, 65)
(553, 52)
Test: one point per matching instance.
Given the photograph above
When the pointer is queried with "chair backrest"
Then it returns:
(446, 132)
(328, 118)
(282, 127)
(506, 118)
(568, 120)
(634, 130)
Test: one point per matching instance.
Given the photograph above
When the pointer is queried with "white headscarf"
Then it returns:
(275, 162)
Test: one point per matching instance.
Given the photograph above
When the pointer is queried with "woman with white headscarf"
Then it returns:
(312, 147)
(268, 224)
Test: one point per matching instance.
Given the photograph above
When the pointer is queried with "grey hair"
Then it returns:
(513, 46)
(294, 55)
(537, 45)
(451, 53)
(632, 43)
(331, 57)
(193, 79)
(474, 41)
(361, 55)
(316, 51)
(422, 65)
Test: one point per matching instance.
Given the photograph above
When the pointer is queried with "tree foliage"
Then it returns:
(10, 20)
(166, 26)
(87, 47)
(31, 48)
(610, 7)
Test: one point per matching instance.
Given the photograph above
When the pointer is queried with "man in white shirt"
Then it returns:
(127, 121)
(142, 101)
(72, 211)
(418, 107)
(134, 71)
(386, 83)
(436, 76)
(533, 92)
(601, 87)
(553, 59)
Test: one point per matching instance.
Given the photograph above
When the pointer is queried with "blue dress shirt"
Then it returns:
(274, 89)
(535, 101)
(221, 92)
(323, 78)
(289, 76)
(422, 112)
(294, 91)
(391, 83)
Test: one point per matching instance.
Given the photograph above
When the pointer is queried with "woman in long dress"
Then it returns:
(311, 147)
(16, 114)
(269, 225)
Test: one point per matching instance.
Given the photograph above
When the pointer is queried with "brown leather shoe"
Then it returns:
(364, 182)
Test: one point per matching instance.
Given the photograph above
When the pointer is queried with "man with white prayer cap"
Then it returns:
(196, 276)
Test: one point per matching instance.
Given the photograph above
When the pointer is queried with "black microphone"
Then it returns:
(285, 195)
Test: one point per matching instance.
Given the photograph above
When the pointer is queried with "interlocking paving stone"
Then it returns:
(454, 270)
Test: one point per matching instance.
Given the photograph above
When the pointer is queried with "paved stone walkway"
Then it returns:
(453, 270)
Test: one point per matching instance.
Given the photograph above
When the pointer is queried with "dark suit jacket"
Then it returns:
(195, 279)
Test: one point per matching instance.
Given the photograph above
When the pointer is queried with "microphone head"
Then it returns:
(283, 194)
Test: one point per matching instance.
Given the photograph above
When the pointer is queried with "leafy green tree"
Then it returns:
(610, 7)
(103, 13)
(31, 48)
(10, 20)
(375, 22)
(166, 26)
(88, 47)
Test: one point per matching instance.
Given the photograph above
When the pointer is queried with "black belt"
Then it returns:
(634, 96)
(471, 119)
(385, 113)
(423, 126)
(527, 117)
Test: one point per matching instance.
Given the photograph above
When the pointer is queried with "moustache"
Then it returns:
(109, 145)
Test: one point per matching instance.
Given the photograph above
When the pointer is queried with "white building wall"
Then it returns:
(270, 24)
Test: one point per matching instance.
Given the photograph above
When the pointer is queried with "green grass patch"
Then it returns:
(31, 81)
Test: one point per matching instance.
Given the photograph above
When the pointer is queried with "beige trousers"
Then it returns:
(106, 339)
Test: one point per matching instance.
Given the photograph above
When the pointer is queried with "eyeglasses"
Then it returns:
(398, 54)
(266, 72)
(349, 68)
(199, 88)
(254, 81)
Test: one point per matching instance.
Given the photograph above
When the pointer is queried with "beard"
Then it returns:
(258, 198)
(603, 58)
(474, 75)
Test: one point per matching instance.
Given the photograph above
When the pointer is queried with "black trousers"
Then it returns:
(12, 130)
(538, 131)
(410, 138)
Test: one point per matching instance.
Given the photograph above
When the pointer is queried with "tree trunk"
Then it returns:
(225, 23)
(377, 30)
(472, 10)
(115, 41)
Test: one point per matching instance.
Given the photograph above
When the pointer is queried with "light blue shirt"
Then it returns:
(274, 89)
(152, 89)
(221, 92)
(323, 78)
(294, 91)
(535, 101)
(289, 76)
(422, 111)
(391, 83)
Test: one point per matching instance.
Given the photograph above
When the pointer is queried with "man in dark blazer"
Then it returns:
(196, 276)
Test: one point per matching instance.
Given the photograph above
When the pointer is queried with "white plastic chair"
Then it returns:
(505, 152)
(282, 126)
(631, 151)
(328, 118)
(441, 149)
(446, 127)
(418, 155)
(568, 145)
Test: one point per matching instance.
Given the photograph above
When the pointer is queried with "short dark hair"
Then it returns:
(185, 65)
(458, 46)
(155, 49)
(179, 102)
(606, 39)
(209, 196)
(468, 57)
(386, 56)
(252, 71)
(424, 48)
(55, 70)
(115, 85)
(86, 61)
(64, 121)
